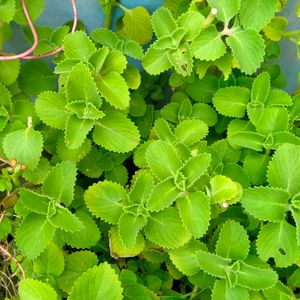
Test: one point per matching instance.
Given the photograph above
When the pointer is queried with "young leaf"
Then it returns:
(233, 241)
(50, 108)
(60, 182)
(115, 61)
(276, 28)
(76, 264)
(222, 290)
(247, 139)
(284, 169)
(25, 146)
(162, 159)
(141, 188)
(9, 69)
(278, 240)
(163, 131)
(106, 200)
(5, 97)
(208, 45)
(261, 88)
(194, 210)
(263, 13)
(32, 289)
(279, 97)
(99, 282)
(248, 48)
(226, 10)
(33, 235)
(266, 203)
(7, 10)
(165, 229)
(231, 101)
(163, 22)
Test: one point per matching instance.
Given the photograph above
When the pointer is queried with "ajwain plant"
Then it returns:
(160, 160)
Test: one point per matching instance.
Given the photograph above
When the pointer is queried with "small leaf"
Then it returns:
(163, 22)
(251, 140)
(226, 10)
(233, 241)
(5, 100)
(208, 45)
(25, 146)
(231, 101)
(7, 10)
(162, 159)
(222, 290)
(165, 229)
(116, 133)
(279, 97)
(141, 188)
(33, 289)
(261, 88)
(115, 61)
(34, 8)
(163, 131)
(106, 200)
(137, 24)
(276, 28)
(99, 282)
(248, 48)
(9, 69)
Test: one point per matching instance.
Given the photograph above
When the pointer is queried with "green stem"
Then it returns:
(291, 33)
(107, 20)
(122, 7)
(1, 35)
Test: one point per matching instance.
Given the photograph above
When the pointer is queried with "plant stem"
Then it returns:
(122, 7)
(291, 33)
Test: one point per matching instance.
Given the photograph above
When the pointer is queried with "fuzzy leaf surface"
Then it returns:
(33, 289)
(163, 22)
(222, 290)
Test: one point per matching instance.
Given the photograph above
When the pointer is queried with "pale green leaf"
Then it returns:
(256, 14)
(279, 97)
(9, 69)
(114, 89)
(33, 289)
(50, 108)
(296, 215)
(98, 58)
(34, 8)
(106, 200)
(115, 61)
(60, 182)
(141, 188)
(194, 210)
(133, 49)
(98, 283)
(33, 235)
(225, 64)
(50, 262)
(165, 229)
(25, 146)
(276, 28)
(204, 112)
(163, 131)
(284, 169)
(66, 66)
(7, 10)
(223, 291)
(266, 203)
(247, 139)
(137, 24)
(5, 99)
(105, 37)
(208, 45)
(163, 22)
(116, 133)
(278, 240)
(162, 159)
(132, 77)
(248, 48)
(231, 101)
(233, 241)
(226, 10)
(76, 264)
(261, 87)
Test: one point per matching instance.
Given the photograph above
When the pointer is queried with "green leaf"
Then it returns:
(129, 226)
(279, 97)
(66, 66)
(261, 88)
(226, 10)
(116, 133)
(105, 37)
(162, 159)
(33, 289)
(76, 264)
(163, 131)
(115, 61)
(25, 146)
(208, 45)
(156, 61)
(50, 108)
(133, 49)
(87, 237)
(98, 58)
(278, 240)
(50, 262)
(9, 69)
(5, 99)
(213, 264)
(190, 132)
(233, 241)
(163, 22)
(7, 10)
(34, 8)
(296, 215)
(34, 202)
(247, 139)
(222, 290)
(137, 24)
(60, 182)
(275, 30)
(141, 188)
(78, 45)
(114, 89)
(284, 169)
(33, 235)
(99, 282)
(204, 112)
(106, 200)
(255, 278)
(266, 203)
(163, 195)
(248, 48)
(65, 220)
(194, 210)
(76, 131)
(36, 77)
(165, 229)
(231, 101)
(81, 86)
(263, 12)
(132, 77)
(185, 258)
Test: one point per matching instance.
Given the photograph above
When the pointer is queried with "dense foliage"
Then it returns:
(175, 177)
